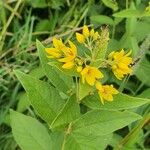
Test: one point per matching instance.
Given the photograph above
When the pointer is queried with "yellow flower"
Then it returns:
(106, 92)
(55, 52)
(80, 38)
(86, 33)
(69, 55)
(120, 63)
(90, 74)
(62, 53)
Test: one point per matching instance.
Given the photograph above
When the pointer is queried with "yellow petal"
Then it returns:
(58, 44)
(97, 73)
(111, 55)
(68, 65)
(73, 47)
(118, 73)
(84, 71)
(92, 33)
(53, 52)
(98, 86)
(90, 80)
(119, 55)
(66, 59)
(86, 31)
(80, 38)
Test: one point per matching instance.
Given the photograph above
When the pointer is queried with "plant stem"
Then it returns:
(65, 136)
(77, 89)
(127, 4)
(121, 88)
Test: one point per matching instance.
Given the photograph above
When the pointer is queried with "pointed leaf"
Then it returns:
(94, 129)
(102, 19)
(120, 102)
(102, 122)
(44, 98)
(87, 142)
(111, 4)
(29, 133)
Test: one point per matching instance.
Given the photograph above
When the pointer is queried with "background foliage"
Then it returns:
(24, 21)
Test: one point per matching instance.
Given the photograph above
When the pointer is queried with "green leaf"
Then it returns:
(102, 122)
(134, 46)
(142, 71)
(111, 4)
(94, 129)
(84, 90)
(29, 133)
(143, 29)
(44, 98)
(145, 93)
(120, 102)
(37, 3)
(68, 113)
(88, 142)
(56, 4)
(37, 72)
(57, 140)
(129, 13)
(23, 103)
(61, 81)
(43, 25)
(102, 19)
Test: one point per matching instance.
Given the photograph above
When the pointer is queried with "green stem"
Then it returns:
(65, 136)
(127, 4)
(77, 89)
(140, 86)
(121, 88)
(113, 31)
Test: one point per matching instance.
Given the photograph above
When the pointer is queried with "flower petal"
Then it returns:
(86, 31)
(68, 65)
(80, 38)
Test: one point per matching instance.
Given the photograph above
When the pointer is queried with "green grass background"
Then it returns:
(24, 21)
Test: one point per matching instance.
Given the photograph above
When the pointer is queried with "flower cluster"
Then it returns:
(90, 74)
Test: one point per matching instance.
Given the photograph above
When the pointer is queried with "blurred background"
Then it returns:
(24, 21)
